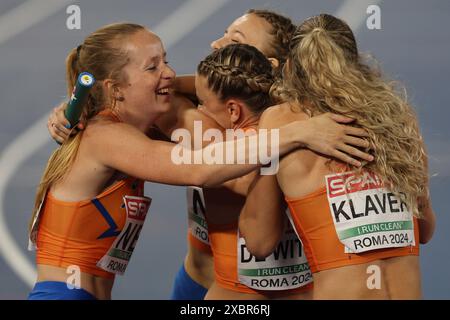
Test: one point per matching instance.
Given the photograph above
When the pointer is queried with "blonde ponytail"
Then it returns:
(326, 74)
(102, 55)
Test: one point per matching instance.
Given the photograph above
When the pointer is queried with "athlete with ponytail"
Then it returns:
(90, 204)
(233, 86)
(269, 32)
(354, 223)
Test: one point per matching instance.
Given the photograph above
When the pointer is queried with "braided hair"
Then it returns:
(239, 71)
(281, 34)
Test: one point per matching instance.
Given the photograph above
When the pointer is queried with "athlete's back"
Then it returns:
(302, 176)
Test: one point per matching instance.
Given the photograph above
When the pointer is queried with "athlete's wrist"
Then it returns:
(296, 135)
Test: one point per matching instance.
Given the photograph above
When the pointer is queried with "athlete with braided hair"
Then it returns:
(90, 205)
(280, 31)
(266, 30)
(233, 86)
(197, 272)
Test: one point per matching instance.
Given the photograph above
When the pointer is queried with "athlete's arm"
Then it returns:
(427, 223)
(322, 133)
(330, 135)
(240, 185)
(174, 118)
(57, 124)
(262, 218)
(181, 115)
(185, 84)
(126, 149)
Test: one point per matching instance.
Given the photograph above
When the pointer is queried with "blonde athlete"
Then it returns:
(270, 32)
(354, 223)
(90, 204)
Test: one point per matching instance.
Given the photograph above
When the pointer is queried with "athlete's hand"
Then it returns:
(58, 126)
(328, 136)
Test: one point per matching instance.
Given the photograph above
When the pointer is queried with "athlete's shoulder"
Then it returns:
(191, 116)
(105, 126)
(181, 101)
(279, 115)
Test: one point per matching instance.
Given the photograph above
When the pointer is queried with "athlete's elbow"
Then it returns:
(424, 239)
(260, 248)
(208, 179)
(259, 245)
(198, 178)
(425, 234)
(426, 228)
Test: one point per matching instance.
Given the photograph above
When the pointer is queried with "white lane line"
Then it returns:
(12, 23)
(27, 15)
(186, 18)
(177, 25)
(12, 158)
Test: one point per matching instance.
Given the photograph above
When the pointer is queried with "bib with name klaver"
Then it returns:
(366, 215)
(286, 268)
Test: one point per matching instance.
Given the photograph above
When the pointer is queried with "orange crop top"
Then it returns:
(196, 243)
(227, 253)
(92, 233)
(81, 233)
(315, 225)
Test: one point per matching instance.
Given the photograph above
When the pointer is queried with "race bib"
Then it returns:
(117, 258)
(286, 268)
(196, 214)
(366, 215)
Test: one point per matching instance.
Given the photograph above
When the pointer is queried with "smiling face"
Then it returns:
(210, 104)
(247, 29)
(147, 78)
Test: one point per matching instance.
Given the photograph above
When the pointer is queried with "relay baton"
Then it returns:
(79, 96)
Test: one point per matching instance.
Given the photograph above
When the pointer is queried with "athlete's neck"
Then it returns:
(143, 124)
(248, 122)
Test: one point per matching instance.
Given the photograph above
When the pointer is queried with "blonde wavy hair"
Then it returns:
(102, 55)
(325, 73)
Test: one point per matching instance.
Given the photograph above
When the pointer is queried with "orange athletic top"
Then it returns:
(314, 224)
(223, 239)
(80, 233)
(196, 243)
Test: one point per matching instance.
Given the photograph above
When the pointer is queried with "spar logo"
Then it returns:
(349, 182)
(354, 196)
(137, 207)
